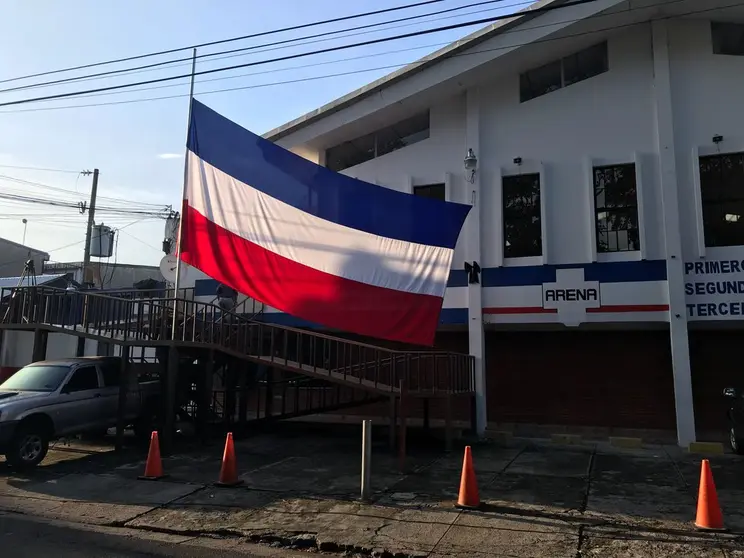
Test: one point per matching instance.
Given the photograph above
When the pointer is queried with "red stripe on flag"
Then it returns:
(305, 292)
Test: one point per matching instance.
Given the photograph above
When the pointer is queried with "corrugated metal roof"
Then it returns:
(6, 282)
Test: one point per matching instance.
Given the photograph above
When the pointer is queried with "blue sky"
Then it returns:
(138, 146)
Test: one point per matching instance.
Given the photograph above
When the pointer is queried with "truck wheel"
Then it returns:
(28, 447)
(735, 441)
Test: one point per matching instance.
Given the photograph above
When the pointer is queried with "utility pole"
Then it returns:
(91, 221)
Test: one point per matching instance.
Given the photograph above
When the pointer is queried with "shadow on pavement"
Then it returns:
(302, 480)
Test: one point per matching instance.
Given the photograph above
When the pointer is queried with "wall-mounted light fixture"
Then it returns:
(518, 161)
(717, 139)
(473, 270)
(471, 165)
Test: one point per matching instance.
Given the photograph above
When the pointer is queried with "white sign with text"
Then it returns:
(571, 295)
(714, 289)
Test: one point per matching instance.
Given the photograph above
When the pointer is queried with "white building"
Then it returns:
(608, 194)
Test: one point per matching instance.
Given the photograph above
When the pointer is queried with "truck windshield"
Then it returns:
(36, 378)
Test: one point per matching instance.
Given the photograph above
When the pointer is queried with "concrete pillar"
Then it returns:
(472, 231)
(673, 244)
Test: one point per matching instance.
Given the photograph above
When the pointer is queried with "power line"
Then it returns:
(223, 41)
(72, 205)
(22, 261)
(290, 68)
(39, 169)
(257, 48)
(298, 55)
(379, 68)
(77, 194)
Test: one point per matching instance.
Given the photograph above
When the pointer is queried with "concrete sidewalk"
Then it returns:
(301, 486)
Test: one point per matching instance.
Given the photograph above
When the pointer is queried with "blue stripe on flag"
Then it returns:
(316, 190)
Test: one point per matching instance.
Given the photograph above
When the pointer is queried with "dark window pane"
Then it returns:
(728, 38)
(540, 81)
(584, 64)
(436, 191)
(722, 193)
(110, 371)
(522, 218)
(351, 153)
(380, 142)
(407, 132)
(84, 378)
(616, 208)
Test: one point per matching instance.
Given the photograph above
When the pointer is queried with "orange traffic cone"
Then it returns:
(154, 465)
(229, 470)
(709, 516)
(468, 497)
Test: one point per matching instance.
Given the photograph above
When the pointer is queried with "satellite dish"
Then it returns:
(168, 267)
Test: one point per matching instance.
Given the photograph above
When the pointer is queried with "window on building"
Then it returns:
(436, 191)
(722, 194)
(522, 217)
(378, 143)
(540, 81)
(727, 38)
(585, 64)
(351, 153)
(616, 208)
(579, 66)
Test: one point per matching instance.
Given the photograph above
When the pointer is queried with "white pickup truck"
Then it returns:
(56, 398)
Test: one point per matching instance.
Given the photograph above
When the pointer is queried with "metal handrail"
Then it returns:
(149, 321)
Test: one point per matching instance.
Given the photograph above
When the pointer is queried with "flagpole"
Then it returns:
(183, 196)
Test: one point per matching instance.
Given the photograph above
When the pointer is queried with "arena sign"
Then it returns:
(714, 289)
(571, 296)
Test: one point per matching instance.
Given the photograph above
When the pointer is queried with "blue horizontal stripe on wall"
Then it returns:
(453, 316)
(206, 287)
(609, 272)
(606, 272)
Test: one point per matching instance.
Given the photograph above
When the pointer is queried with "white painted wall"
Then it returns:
(17, 348)
(707, 93)
(607, 119)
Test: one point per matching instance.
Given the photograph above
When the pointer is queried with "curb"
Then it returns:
(567, 439)
(625, 442)
(715, 448)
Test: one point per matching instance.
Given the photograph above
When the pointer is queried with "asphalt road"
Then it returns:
(22, 537)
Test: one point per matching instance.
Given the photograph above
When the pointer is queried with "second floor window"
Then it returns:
(722, 194)
(522, 216)
(579, 66)
(727, 38)
(436, 191)
(386, 140)
(616, 208)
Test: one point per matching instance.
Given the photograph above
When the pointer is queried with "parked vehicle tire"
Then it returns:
(736, 441)
(29, 446)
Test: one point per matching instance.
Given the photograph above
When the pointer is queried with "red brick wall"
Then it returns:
(619, 379)
(604, 379)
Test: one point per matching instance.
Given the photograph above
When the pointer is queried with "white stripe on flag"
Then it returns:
(312, 241)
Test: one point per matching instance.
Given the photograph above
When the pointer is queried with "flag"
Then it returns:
(318, 245)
